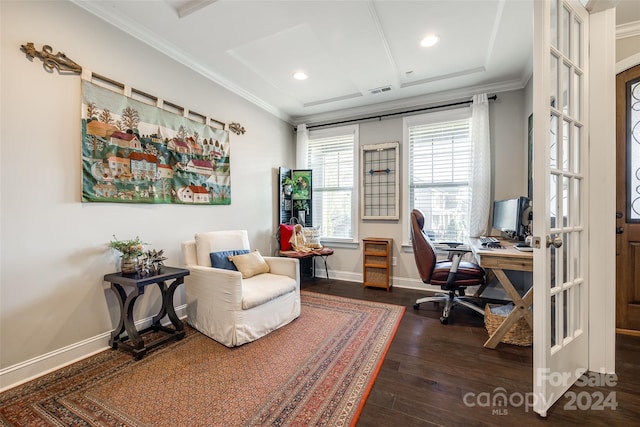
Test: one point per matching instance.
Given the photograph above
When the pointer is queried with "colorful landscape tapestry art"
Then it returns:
(134, 152)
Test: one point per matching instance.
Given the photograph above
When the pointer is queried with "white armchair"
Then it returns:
(230, 309)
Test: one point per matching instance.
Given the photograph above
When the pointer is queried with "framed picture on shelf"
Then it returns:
(301, 184)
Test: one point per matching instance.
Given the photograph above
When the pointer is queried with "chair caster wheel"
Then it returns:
(444, 320)
(416, 306)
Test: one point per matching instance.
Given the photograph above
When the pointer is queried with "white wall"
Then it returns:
(508, 126)
(53, 247)
(627, 47)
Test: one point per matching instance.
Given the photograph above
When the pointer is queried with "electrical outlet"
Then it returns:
(394, 261)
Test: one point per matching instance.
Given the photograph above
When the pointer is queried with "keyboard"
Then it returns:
(485, 240)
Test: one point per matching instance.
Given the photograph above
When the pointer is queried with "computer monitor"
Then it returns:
(508, 217)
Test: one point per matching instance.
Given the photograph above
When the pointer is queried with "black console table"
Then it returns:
(133, 342)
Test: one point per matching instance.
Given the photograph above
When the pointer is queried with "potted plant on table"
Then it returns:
(131, 251)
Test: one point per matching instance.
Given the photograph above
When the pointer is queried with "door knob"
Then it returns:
(619, 230)
(556, 241)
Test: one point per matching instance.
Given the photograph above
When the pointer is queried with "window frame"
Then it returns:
(417, 120)
(355, 194)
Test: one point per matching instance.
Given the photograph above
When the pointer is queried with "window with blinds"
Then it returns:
(331, 156)
(439, 167)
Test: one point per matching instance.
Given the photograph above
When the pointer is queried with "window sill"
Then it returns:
(340, 243)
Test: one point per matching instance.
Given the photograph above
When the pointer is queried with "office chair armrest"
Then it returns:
(455, 252)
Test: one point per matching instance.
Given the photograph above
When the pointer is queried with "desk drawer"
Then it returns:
(507, 263)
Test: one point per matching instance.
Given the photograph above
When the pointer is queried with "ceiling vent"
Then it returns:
(380, 90)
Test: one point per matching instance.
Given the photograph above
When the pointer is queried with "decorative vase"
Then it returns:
(129, 264)
(302, 217)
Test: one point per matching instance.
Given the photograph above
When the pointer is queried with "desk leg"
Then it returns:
(488, 278)
(521, 309)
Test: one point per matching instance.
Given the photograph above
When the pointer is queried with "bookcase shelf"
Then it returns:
(376, 262)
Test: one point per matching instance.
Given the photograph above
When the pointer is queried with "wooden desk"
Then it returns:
(495, 261)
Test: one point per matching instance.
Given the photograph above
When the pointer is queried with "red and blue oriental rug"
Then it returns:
(318, 370)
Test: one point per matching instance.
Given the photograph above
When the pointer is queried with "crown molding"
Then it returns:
(630, 29)
(134, 29)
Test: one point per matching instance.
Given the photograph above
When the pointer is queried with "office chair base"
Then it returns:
(450, 299)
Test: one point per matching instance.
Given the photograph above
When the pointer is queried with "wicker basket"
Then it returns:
(519, 334)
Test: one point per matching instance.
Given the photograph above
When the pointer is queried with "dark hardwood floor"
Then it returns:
(442, 375)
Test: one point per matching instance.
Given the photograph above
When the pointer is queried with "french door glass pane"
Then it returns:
(576, 166)
(565, 312)
(577, 43)
(566, 136)
(577, 93)
(553, 143)
(554, 267)
(564, 250)
(565, 202)
(553, 200)
(577, 313)
(577, 261)
(553, 70)
(553, 326)
(565, 27)
(554, 23)
(566, 96)
(577, 196)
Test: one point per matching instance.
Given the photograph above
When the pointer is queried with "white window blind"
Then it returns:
(331, 157)
(439, 173)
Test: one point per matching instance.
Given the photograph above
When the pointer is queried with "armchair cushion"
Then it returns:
(250, 264)
(221, 259)
(263, 288)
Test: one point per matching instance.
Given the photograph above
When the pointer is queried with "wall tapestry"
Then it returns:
(133, 152)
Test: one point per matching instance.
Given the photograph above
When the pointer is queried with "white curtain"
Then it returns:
(481, 169)
(302, 144)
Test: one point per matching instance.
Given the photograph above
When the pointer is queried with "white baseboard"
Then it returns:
(398, 282)
(28, 370)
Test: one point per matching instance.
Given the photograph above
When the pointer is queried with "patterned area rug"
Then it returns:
(318, 370)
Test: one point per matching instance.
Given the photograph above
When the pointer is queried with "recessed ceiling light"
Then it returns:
(300, 75)
(429, 40)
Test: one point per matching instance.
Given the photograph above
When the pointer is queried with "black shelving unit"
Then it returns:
(287, 204)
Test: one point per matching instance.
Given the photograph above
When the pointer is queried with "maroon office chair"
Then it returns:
(452, 275)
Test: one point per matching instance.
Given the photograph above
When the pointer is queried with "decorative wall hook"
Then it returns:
(236, 128)
(59, 61)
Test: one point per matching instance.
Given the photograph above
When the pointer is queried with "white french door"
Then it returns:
(560, 220)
